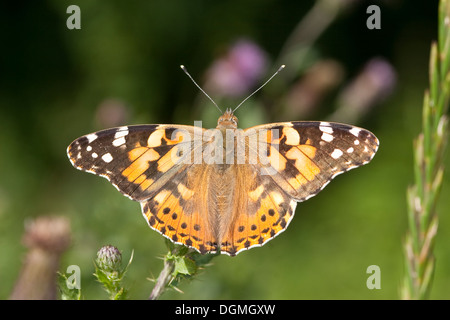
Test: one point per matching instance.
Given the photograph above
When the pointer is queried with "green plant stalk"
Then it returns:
(164, 279)
(180, 263)
(429, 149)
(67, 290)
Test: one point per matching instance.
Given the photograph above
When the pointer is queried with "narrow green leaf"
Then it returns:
(428, 168)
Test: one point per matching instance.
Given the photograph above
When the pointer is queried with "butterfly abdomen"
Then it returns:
(221, 195)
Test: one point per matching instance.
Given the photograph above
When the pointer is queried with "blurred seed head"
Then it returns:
(234, 74)
(49, 233)
(46, 237)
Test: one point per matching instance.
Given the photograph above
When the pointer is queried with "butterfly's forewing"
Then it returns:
(307, 155)
(137, 160)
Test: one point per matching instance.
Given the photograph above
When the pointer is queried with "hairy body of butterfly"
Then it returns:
(226, 203)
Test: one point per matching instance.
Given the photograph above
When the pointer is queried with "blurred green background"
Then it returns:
(122, 67)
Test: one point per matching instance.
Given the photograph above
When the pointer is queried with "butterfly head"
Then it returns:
(228, 120)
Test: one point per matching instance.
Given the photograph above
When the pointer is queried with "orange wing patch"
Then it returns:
(302, 156)
(169, 214)
(272, 217)
(141, 158)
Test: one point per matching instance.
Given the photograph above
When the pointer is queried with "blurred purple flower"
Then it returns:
(112, 112)
(238, 71)
(382, 76)
(372, 85)
(310, 90)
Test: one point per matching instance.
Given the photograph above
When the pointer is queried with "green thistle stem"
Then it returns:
(163, 280)
(179, 263)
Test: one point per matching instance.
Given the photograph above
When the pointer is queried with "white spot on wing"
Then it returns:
(327, 137)
(118, 142)
(325, 127)
(121, 132)
(336, 154)
(91, 137)
(107, 157)
(355, 131)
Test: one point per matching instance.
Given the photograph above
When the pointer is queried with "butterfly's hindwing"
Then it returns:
(179, 210)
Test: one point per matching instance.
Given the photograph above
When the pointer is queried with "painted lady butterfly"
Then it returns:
(222, 189)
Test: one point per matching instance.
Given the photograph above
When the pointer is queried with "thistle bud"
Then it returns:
(109, 259)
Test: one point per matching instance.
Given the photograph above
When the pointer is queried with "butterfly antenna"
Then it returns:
(279, 69)
(192, 79)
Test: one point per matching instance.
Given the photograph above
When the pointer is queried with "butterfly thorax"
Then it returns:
(227, 126)
(227, 121)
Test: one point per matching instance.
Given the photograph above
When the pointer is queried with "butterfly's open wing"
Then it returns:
(295, 161)
(155, 165)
